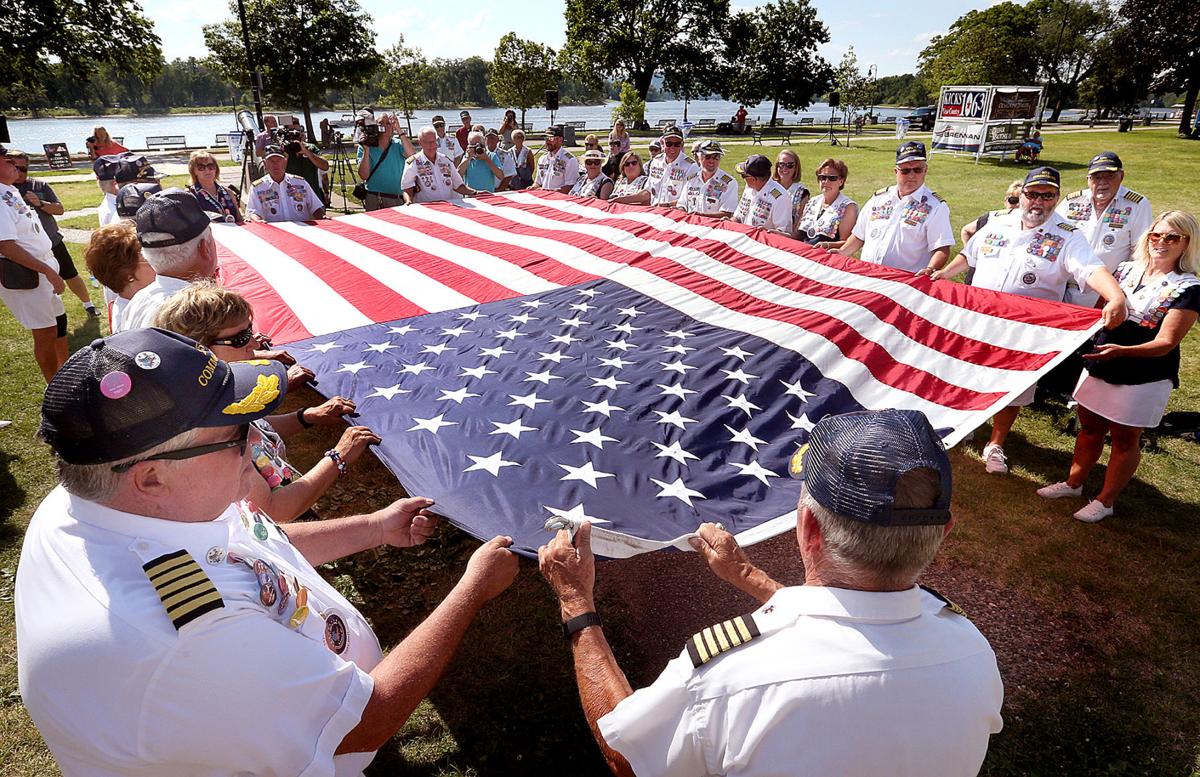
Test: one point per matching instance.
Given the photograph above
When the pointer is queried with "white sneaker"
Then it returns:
(1059, 491)
(1093, 512)
(994, 460)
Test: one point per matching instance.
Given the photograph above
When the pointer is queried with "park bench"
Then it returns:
(785, 135)
(664, 123)
(118, 139)
(757, 135)
(221, 140)
(706, 124)
(889, 119)
(165, 141)
(576, 124)
(807, 121)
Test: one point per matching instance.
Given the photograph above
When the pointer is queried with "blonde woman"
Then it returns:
(620, 135)
(100, 144)
(630, 187)
(829, 217)
(1133, 368)
(787, 175)
(221, 320)
(206, 185)
(523, 159)
(1012, 198)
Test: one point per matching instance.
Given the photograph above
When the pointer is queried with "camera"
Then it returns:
(478, 149)
(290, 139)
(368, 134)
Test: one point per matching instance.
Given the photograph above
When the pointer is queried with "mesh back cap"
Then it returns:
(852, 462)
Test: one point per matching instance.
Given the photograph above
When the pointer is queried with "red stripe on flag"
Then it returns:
(272, 316)
(541, 265)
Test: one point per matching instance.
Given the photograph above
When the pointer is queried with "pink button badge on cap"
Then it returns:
(115, 385)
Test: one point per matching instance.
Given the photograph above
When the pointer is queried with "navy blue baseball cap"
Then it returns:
(127, 393)
(554, 131)
(1105, 162)
(852, 462)
(122, 168)
(756, 165)
(133, 195)
(1047, 176)
(911, 151)
(169, 218)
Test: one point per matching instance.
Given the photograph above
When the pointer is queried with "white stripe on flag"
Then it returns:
(318, 307)
(505, 273)
(406, 281)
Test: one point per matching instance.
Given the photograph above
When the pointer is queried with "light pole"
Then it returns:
(872, 71)
(255, 76)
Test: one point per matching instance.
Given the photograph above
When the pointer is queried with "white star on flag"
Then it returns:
(620, 345)
(573, 322)
(678, 490)
(740, 375)
(543, 377)
(456, 331)
(802, 422)
(626, 328)
(744, 436)
(673, 451)
(565, 339)
(609, 383)
(631, 312)
(511, 334)
(354, 367)
(496, 352)
(387, 392)
(678, 348)
(523, 318)
(557, 357)
(380, 347)
(416, 369)
(431, 424)
(755, 470)
(592, 437)
(490, 464)
(675, 391)
(472, 316)
(401, 330)
(741, 403)
(436, 350)
(587, 474)
(600, 407)
(796, 390)
(532, 303)
(512, 428)
(735, 352)
(582, 307)
(589, 293)
(476, 372)
(455, 396)
(529, 400)
(674, 418)
(325, 347)
(679, 367)
(575, 515)
(617, 362)
(682, 335)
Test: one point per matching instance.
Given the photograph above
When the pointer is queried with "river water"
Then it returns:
(30, 134)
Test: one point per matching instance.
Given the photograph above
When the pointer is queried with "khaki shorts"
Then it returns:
(35, 308)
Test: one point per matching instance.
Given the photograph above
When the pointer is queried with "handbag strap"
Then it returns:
(381, 158)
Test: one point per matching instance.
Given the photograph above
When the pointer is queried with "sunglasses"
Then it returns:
(910, 170)
(206, 165)
(238, 340)
(711, 156)
(785, 165)
(238, 442)
(1170, 238)
(1043, 196)
(632, 162)
(1012, 200)
(670, 144)
(592, 163)
(21, 169)
(829, 178)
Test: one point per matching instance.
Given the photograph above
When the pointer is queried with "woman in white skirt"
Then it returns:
(1131, 372)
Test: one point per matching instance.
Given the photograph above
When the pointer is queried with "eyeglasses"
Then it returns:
(238, 442)
(710, 156)
(1043, 196)
(1170, 238)
(785, 165)
(592, 163)
(206, 165)
(20, 169)
(673, 144)
(1013, 200)
(632, 162)
(910, 170)
(829, 178)
(238, 340)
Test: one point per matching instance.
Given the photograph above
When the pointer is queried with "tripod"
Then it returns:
(343, 170)
(829, 137)
(251, 171)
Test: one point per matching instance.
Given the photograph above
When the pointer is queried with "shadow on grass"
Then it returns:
(83, 333)
(12, 495)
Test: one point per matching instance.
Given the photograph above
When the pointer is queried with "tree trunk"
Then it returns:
(1058, 107)
(307, 117)
(774, 111)
(1189, 101)
(522, 119)
(642, 80)
(685, 107)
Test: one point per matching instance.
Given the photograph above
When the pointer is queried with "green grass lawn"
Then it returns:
(1094, 625)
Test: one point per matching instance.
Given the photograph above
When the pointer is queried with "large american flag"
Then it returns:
(532, 355)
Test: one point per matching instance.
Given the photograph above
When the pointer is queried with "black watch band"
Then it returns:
(581, 622)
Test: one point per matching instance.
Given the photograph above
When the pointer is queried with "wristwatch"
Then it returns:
(581, 622)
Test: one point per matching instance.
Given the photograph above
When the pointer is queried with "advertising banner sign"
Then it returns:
(1015, 104)
(963, 103)
(959, 136)
(1006, 137)
(57, 156)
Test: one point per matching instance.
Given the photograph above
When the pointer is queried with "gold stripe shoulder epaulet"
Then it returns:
(1065, 227)
(954, 608)
(1133, 196)
(884, 190)
(1073, 195)
(184, 588)
(709, 643)
(937, 196)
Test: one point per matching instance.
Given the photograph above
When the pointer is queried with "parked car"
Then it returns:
(922, 118)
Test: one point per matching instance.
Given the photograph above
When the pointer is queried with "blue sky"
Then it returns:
(881, 33)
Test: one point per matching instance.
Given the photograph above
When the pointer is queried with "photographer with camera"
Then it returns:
(303, 158)
(267, 136)
(381, 156)
(480, 168)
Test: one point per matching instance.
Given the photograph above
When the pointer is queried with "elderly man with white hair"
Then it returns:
(178, 243)
(480, 168)
(429, 175)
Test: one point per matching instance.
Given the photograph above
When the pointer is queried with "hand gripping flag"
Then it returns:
(529, 356)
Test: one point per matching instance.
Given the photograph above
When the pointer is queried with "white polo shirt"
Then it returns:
(269, 682)
(436, 179)
(1029, 262)
(902, 232)
(717, 195)
(841, 682)
(291, 199)
(39, 307)
(106, 212)
(769, 208)
(1112, 234)
(142, 307)
(556, 170)
(665, 180)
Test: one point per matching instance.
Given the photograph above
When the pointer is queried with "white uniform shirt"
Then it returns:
(448, 144)
(1029, 262)
(556, 170)
(106, 213)
(1112, 234)
(769, 208)
(665, 180)
(589, 187)
(20, 223)
(436, 180)
(841, 682)
(508, 165)
(902, 232)
(143, 306)
(717, 195)
(292, 199)
(265, 684)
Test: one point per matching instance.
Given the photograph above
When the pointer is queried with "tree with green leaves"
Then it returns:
(998, 45)
(79, 37)
(773, 56)
(631, 108)
(521, 72)
(631, 40)
(696, 70)
(1070, 33)
(405, 73)
(856, 89)
(303, 48)
(1172, 63)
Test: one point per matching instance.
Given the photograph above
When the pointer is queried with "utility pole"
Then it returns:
(255, 76)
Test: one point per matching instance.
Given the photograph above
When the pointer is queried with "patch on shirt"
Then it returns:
(1046, 245)
(1079, 211)
(185, 591)
(709, 643)
(916, 212)
(1117, 218)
